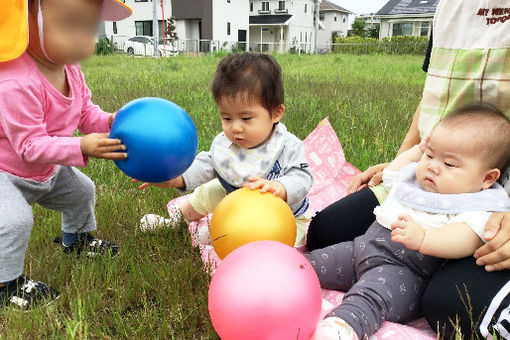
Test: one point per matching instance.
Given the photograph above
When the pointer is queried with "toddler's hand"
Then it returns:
(408, 232)
(98, 145)
(177, 182)
(265, 185)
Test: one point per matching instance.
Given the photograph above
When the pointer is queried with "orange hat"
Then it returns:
(14, 24)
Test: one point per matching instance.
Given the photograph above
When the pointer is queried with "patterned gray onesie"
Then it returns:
(383, 279)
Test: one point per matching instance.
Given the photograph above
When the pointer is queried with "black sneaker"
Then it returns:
(90, 245)
(25, 293)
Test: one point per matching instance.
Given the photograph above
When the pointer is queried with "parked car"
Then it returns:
(143, 45)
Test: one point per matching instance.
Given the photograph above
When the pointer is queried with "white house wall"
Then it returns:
(301, 29)
(187, 29)
(386, 29)
(236, 12)
(270, 37)
(142, 11)
(299, 32)
(330, 25)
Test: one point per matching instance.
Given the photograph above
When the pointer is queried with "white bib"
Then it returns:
(235, 164)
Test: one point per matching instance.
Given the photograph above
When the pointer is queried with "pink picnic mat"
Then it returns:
(331, 174)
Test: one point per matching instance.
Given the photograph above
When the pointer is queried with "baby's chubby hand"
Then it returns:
(265, 185)
(177, 182)
(408, 232)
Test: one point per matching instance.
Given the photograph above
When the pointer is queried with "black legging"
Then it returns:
(445, 296)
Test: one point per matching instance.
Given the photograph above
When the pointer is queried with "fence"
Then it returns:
(145, 47)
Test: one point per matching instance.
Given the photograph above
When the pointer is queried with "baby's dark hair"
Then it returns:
(493, 131)
(252, 76)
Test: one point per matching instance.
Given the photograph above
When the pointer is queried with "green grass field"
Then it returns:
(157, 288)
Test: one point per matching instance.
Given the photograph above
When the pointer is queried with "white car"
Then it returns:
(143, 45)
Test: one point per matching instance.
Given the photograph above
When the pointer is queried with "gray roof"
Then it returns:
(329, 6)
(269, 19)
(396, 7)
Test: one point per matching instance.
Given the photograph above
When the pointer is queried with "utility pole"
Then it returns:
(155, 27)
(316, 24)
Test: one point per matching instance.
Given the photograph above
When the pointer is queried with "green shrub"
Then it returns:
(395, 45)
(104, 46)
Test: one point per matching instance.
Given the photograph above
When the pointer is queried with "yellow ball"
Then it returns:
(247, 215)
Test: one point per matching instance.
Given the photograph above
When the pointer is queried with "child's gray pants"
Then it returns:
(383, 279)
(68, 191)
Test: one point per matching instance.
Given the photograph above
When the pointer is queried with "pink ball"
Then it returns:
(265, 290)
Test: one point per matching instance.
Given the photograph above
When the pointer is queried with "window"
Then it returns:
(143, 27)
(141, 0)
(281, 5)
(321, 16)
(251, 6)
(306, 8)
(402, 28)
(228, 28)
(345, 16)
(228, 1)
(424, 30)
(160, 30)
(335, 17)
(114, 27)
(265, 6)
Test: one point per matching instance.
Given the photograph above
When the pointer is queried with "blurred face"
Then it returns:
(247, 124)
(448, 166)
(69, 29)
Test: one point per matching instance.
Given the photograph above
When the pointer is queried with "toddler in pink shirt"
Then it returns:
(43, 100)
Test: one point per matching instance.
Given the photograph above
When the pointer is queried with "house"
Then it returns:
(333, 19)
(139, 23)
(371, 20)
(281, 26)
(207, 25)
(254, 25)
(407, 17)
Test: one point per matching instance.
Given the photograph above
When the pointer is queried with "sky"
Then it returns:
(361, 6)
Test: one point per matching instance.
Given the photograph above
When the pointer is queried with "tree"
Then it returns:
(373, 32)
(358, 28)
(170, 34)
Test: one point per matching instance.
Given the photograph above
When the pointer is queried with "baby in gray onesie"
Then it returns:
(436, 208)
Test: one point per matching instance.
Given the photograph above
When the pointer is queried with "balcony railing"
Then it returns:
(280, 11)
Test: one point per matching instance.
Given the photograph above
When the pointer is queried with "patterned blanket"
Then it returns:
(331, 174)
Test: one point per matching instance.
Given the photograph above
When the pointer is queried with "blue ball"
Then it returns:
(160, 138)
